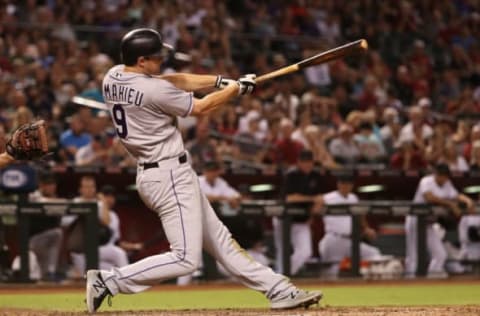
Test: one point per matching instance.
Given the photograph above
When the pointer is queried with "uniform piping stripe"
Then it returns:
(269, 293)
(190, 106)
(184, 239)
(126, 79)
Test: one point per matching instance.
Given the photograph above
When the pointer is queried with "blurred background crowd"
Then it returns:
(411, 102)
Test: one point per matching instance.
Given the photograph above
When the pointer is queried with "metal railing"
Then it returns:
(22, 210)
(390, 208)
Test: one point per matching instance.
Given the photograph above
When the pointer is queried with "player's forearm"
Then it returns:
(431, 198)
(190, 82)
(214, 100)
(5, 159)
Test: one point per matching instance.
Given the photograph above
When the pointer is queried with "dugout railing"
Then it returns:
(249, 208)
(285, 211)
(23, 210)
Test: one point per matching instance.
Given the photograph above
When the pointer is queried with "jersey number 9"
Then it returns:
(120, 120)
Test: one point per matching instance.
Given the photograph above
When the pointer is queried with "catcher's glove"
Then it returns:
(28, 142)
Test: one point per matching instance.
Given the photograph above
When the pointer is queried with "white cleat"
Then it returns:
(96, 290)
(296, 299)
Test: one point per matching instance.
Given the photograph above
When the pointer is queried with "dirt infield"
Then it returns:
(321, 311)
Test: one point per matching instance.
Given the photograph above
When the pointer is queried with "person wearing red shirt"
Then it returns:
(407, 157)
(287, 149)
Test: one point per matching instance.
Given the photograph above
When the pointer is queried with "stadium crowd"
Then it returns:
(410, 102)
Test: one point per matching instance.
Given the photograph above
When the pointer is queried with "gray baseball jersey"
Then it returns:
(154, 104)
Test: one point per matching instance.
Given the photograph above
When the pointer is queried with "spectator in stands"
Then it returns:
(343, 148)
(299, 134)
(416, 128)
(369, 145)
(436, 144)
(302, 184)
(425, 105)
(249, 144)
(46, 236)
(336, 244)
(390, 131)
(285, 100)
(436, 189)
(324, 112)
(316, 142)
(452, 158)
(229, 123)
(94, 153)
(201, 148)
(407, 157)
(23, 115)
(370, 93)
(287, 150)
(73, 139)
(461, 136)
(475, 156)
(474, 136)
(118, 155)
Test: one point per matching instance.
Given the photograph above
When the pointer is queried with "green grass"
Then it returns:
(433, 294)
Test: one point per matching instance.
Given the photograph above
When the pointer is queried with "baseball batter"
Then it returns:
(144, 108)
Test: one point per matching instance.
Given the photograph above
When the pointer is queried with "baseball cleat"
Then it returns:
(96, 290)
(295, 299)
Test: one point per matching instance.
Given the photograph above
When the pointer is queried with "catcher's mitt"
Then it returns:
(28, 142)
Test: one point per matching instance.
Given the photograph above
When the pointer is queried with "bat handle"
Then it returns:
(277, 73)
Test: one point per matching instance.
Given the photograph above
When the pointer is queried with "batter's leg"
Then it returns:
(181, 217)
(218, 241)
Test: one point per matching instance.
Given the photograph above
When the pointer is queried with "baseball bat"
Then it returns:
(89, 102)
(321, 58)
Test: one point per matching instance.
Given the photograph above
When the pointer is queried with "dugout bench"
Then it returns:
(22, 210)
(285, 211)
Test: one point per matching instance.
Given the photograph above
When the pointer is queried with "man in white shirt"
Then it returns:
(435, 189)
(216, 188)
(46, 236)
(415, 126)
(337, 242)
(110, 255)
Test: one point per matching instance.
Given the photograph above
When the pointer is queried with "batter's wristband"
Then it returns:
(218, 81)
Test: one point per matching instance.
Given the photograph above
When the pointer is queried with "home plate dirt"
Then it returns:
(321, 311)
